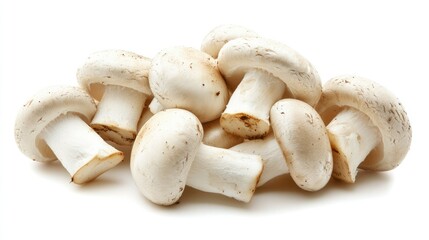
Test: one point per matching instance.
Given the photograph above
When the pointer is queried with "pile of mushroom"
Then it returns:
(224, 119)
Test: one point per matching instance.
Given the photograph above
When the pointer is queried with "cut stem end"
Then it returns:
(353, 136)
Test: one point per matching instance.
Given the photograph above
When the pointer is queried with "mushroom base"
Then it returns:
(247, 112)
(244, 125)
(353, 136)
(342, 170)
(97, 166)
(118, 114)
(83, 153)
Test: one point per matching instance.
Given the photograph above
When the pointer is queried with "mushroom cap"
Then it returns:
(163, 153)
(220, 35)
(241, 55)
(304, 141)
(114, 67)
(381, 106)
(183, 77)
(42, 109)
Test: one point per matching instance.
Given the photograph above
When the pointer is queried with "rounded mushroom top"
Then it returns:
(220, 35)
(183, 77)
(381, 106)
(304, 141)
(245, 54)
(114, 67)
(43, 108)
(163, 152)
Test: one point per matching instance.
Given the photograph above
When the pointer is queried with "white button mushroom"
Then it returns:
(186, 78)
(168, 154)
(119, 80)
(53, 125)
(304, 141)
(220, 35)
(263, 66)
(214, 135)
(367, 125)
(271, 153)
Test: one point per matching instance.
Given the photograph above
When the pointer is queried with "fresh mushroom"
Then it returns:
(119, 80)
(168, 154)
(367, 125)
(186, 78)
(271, 153)
(53, 125)
(261, 70)
(215, 136)
(220, 35)
(304, 141)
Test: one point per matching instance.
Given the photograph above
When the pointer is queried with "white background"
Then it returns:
(43, 43)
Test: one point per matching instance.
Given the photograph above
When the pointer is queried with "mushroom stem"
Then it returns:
(118, 113)
(82, 152)
(248, 109)
(226, 172)
(353, 136)
(271, 153)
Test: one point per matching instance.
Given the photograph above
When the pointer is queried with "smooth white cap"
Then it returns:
(163, 153)
(241, 55)
(117, 68)
(220, 35)
(304, 141)
(183, 77)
